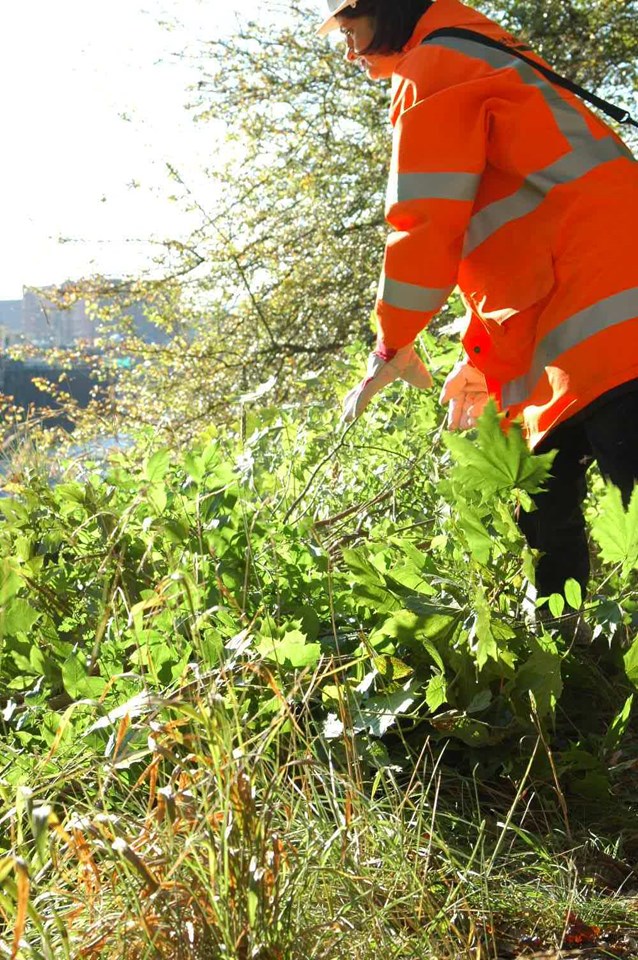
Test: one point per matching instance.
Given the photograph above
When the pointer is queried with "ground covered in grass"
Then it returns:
(200, 835)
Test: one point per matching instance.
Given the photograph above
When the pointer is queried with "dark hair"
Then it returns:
(395, 21)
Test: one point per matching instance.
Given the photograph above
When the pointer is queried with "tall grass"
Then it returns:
(197, 837)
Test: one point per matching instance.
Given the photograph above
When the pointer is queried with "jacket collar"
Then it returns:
(448, 13)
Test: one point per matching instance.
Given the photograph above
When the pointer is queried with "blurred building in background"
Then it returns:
(40, 320)
(41, 323)
(11, 322)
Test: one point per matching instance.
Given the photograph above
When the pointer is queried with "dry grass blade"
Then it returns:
(23, 887)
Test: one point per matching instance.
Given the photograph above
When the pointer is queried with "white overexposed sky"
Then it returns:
(92, 107)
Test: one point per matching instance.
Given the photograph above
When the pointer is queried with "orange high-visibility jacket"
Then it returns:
(509, 187)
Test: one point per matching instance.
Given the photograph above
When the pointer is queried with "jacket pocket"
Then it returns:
(500, 293)
(503, 348)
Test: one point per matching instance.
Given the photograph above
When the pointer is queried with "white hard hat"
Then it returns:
(335, 7)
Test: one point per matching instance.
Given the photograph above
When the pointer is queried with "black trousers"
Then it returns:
(605, 432)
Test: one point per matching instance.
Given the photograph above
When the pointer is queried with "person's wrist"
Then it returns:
(384, 352)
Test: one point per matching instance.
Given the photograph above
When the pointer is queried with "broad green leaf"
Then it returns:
(400, 624)
(391, 668)
(368, 584)
(176, 531)
(157, 497)
(502, 632)
(418, 559)
(376, 753)
(10, 582)
(616, 529)
(77, 682)
(18, 617)
(362, 568)
(407, 575)
(178, 668)
(594, 785)
(252, 902)
(496, 460)
(157, 465)
(556, 604)
(307, 619)
(210, 647)
(24, 547)
(436, 621)
(417, 633)
(479, 541)
(74, 492)
(292, 649)
(540, 676)
(194, 467)
(38, 660)
(217, 476)
(210, 455)
(486, 645)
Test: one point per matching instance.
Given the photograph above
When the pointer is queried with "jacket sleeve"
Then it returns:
(438, 157)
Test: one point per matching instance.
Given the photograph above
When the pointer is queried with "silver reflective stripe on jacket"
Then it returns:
(431, 186)
(525, 200)
(410, 296)
(570, 333)
(586, 152)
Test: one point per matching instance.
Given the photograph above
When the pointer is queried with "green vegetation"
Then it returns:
(278, 696)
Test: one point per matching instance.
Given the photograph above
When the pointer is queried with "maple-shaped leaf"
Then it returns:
(495, 460)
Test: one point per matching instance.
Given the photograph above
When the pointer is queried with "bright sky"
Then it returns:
(92, 107)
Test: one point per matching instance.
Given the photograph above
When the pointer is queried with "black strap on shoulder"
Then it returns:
(617, 113)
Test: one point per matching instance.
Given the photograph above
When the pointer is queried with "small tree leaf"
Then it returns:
(157, 465)
(631, 662)
(436, 692)
(157, 497)
(486, 645)
(616, 529)
(573, 594)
